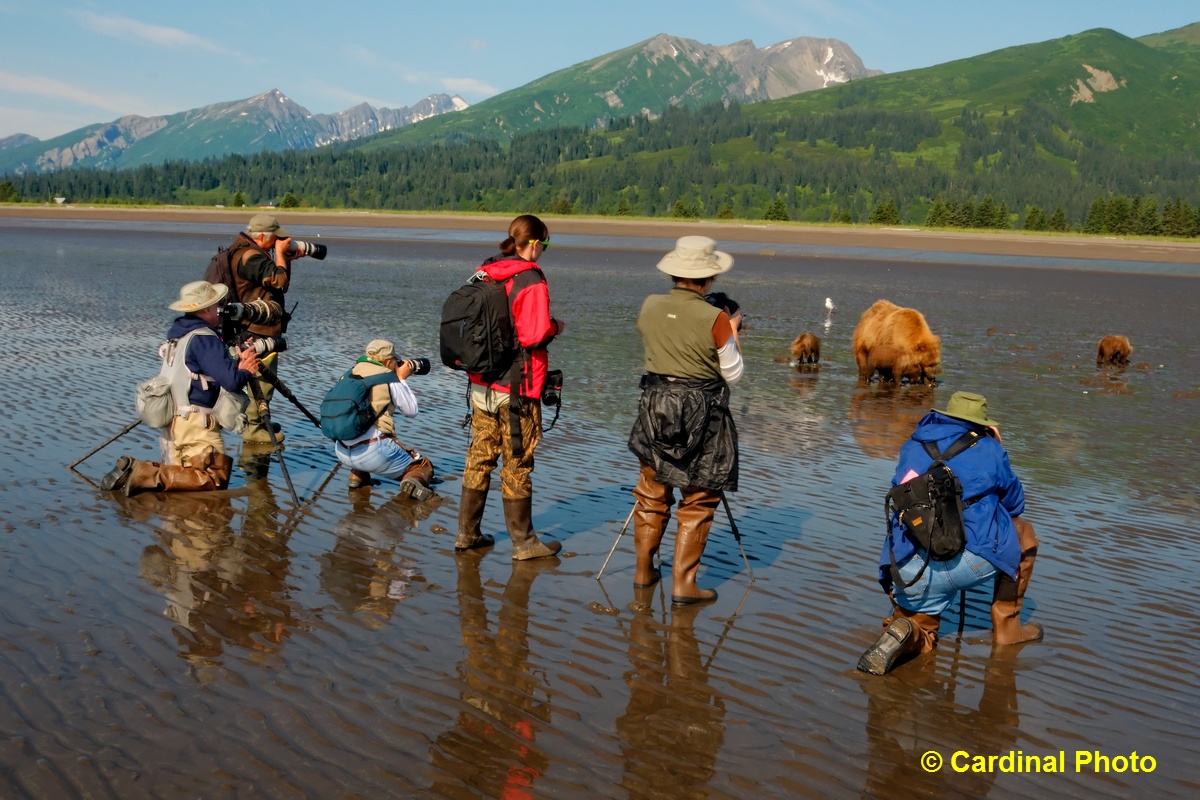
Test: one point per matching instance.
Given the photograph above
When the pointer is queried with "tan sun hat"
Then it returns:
(199, 295)
(970, 407)
(380, 350)
(265, 223)
(695, 257)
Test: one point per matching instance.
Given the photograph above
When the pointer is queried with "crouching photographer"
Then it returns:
(358, 415)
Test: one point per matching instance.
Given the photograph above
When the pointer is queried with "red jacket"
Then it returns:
(529, 299)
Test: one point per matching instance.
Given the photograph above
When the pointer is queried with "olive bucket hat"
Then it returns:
(970, 407)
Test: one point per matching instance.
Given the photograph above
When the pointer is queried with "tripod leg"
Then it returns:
(617, 542)
(737, 536)
(265, 413)
(107, 442)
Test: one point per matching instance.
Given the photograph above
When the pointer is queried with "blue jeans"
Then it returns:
(384, 458)
(941, 582)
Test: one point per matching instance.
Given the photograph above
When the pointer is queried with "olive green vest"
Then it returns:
(677, 335)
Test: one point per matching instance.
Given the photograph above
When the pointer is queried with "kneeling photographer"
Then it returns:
(374, 449)
(260, 263)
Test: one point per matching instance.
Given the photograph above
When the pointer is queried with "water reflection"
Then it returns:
(882, 416)
(925, 708)
(673, 725)
(222, 587)
(362, 573)
(492, 748)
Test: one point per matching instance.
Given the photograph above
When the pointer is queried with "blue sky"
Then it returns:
(64, 65)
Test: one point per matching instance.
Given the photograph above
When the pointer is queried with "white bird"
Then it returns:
(828, 304)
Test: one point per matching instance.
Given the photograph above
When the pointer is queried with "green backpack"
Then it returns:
(346, 411)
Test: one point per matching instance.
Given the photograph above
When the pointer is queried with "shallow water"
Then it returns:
(236, 646)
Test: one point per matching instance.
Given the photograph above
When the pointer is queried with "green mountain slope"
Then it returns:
(1145, 100)
(642, 80)
(1183, 39)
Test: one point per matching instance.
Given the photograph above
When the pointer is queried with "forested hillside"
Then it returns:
(850, 165)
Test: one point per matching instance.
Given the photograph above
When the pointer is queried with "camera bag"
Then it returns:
(346, 411)
(477, 333)
(220, 270)
(929, 507)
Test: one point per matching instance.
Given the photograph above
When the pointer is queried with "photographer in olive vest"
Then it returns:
(684, 435)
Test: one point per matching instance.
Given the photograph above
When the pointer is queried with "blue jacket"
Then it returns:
(207, 355)
(987, 479)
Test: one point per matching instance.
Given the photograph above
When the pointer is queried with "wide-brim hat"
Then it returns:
(199, 295)
(695, 257)
(970, 407)
(265, 223)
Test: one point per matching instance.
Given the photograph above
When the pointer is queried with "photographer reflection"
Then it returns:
(221, 588)
(362, 573)
(492, 749)
(923, 709)
(378, 451)
(673, 726)
(261, 263)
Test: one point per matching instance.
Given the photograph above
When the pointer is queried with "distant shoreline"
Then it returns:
(1003, 244)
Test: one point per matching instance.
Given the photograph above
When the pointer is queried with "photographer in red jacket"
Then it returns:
(506, 415)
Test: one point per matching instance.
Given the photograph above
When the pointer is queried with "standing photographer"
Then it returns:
(684, 436)
(261, 262)
(193, 454)
(506, 415)
(378, 451)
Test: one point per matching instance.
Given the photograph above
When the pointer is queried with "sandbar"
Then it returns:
(1030, 245)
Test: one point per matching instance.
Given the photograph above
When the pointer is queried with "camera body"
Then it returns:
(726, 304)
(552, 391)
(312, 249)
(419, 366)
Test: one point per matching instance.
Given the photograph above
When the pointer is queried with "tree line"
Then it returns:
(1027, 169)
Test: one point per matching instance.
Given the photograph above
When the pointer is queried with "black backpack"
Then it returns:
(477, 333)
(220, 270)
(930, 508)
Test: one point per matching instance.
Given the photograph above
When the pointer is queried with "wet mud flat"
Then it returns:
(234, 645)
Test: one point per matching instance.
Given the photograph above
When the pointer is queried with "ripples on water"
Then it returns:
(233, 645)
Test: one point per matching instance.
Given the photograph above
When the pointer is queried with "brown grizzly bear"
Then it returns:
(806, 349)
(897, 343)
(1113, 350)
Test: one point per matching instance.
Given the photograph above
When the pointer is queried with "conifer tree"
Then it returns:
(1097, 217)
(776, 211)
(1035, 220)
(1057, 221)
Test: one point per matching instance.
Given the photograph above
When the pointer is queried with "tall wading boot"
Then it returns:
(470, 519)
(694, 516)
(906, 634)
(1009, 595)
(651, 514)
(210, 472)
(415, 481)
(518, 515)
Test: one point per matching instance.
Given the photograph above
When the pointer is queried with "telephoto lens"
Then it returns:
(420, 366)
(299, 248)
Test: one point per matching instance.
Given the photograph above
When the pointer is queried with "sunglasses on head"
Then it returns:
(545, 243)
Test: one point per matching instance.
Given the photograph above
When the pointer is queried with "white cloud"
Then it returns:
(468, 85)
(52, 89)
(131, 30)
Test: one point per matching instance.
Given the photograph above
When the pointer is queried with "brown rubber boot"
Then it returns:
(155, 477)
(359, 479)
(650, 517)
(470, 518)
(518, 515)
(906, 634)
(1009, 595)
(694, 516)
(415, 481)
